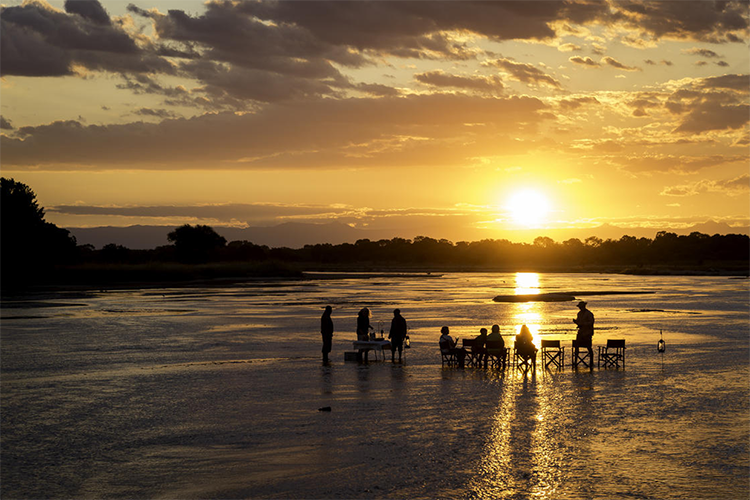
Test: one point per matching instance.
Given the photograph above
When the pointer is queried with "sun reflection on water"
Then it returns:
(523, 456)
(528, 313)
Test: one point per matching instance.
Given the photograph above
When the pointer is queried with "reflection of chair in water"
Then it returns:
(497, 354)
(580, 354)
(525, 357)
(473, 353)
(553, 354)
(612, 354)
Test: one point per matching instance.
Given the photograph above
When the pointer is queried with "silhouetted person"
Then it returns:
(326, 330)
(495, 336)
(363, 329)
(585, 322)
(479, 347)
(525, 345)
(397, 334)
(448, 345)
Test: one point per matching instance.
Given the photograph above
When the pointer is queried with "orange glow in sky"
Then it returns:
(444, 119)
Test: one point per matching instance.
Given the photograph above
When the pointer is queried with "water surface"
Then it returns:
(214, 392)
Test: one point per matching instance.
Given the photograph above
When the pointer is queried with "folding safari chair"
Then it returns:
(524, 363)
(553, 354)
(473, 354)
(448, 355)
(496, 354)
(612, 354)
(580, 354)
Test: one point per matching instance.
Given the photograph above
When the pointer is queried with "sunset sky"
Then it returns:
(475, 118)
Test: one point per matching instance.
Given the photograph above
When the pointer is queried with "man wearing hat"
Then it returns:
(585, 322)
(397, 334)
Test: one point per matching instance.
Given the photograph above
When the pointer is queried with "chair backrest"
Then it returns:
(445, 346)
(494, 344)
(550, 343)
(615, 343)
(469, 342)
(580, 343)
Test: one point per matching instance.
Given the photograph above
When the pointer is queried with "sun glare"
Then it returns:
(528, 208)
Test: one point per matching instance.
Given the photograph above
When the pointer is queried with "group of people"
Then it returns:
(396, 335)
(481, 348)
(524, 341)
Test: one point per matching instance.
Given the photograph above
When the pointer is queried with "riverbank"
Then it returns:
(159, 274)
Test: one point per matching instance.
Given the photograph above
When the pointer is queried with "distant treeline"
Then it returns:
(35, 251)
(666, 248)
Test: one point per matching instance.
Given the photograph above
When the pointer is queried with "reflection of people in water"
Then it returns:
(585, 322)
(326, 330)
(397, 334)
(525, 345)
(448, 345)
(363, 329)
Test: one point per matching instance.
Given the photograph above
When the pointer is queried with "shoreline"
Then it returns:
(128, 276)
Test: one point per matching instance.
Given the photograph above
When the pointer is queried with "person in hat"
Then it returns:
(326, 330)
(585, 322)
(397, 334)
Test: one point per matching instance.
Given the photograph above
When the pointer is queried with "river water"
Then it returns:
(213, 392)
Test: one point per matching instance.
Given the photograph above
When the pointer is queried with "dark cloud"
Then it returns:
(258, 85)
(713, 22)
(710, 113)
(156, 113)
(5, 124)
(526, 73)
(584, 61)
(287, 135)
(229, 34)
(577, 102)
(391, 27)
(92, 10)
(740, 83)
(654, 63)
(610, 61)
(701, 52)
(223, 212)
(475, 82)
(40, 41)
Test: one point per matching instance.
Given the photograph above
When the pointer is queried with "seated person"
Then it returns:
(495, 336)
(525, 345)
(478, 349)
(448, 346)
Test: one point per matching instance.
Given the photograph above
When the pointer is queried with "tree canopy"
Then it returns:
(30, 245)
(196, 243)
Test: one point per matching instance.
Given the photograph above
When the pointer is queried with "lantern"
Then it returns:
(661, 346)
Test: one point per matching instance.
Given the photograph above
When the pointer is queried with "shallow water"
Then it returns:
(214, 392)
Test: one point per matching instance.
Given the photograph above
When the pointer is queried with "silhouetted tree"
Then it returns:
(30, 245)
(196, 243)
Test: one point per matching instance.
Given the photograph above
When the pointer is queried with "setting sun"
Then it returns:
(528, 208)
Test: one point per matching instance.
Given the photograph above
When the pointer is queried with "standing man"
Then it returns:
(326, 330)
(585, 322)
(397, 334)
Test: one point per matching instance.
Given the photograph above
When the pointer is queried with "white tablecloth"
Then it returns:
(372, 345)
